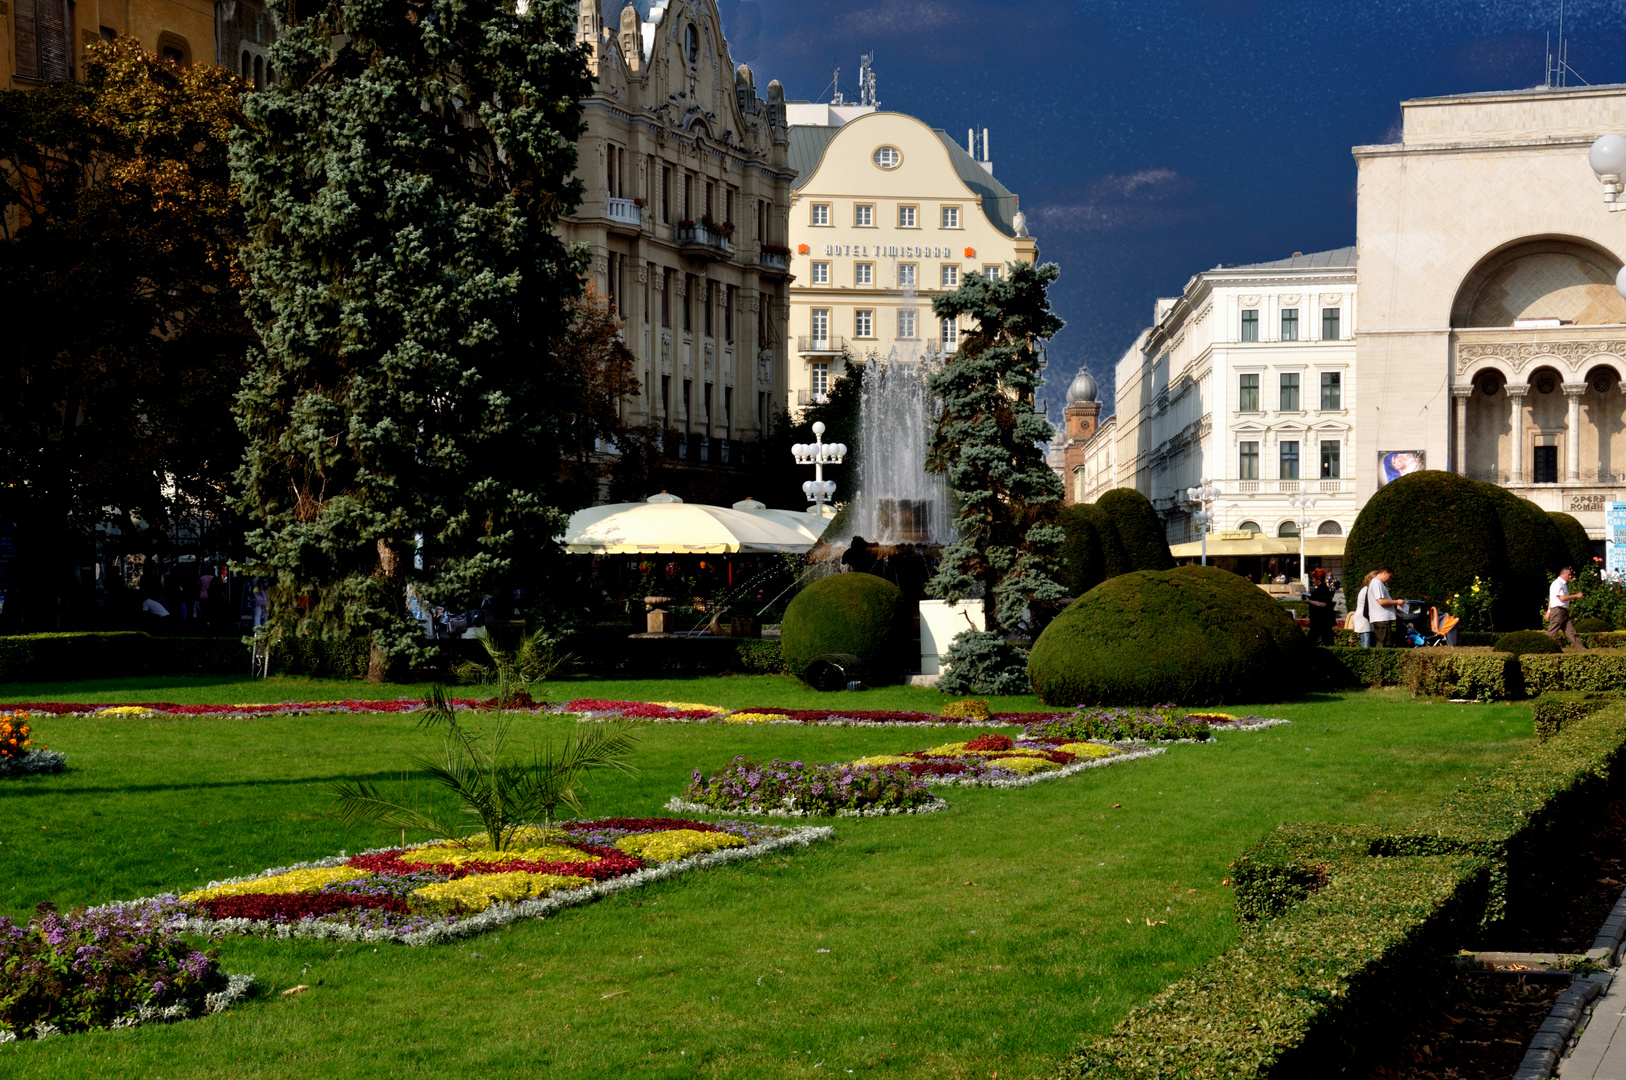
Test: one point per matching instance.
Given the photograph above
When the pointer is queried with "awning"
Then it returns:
(665, 525)
(1319, 546)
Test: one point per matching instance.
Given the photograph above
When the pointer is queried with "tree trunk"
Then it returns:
(381, 667)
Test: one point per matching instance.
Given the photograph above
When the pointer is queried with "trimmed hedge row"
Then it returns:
(1562, 707)
(1597, 670)
(1477, 673)
(1465, 638)
(118, 654)
(1340, 974)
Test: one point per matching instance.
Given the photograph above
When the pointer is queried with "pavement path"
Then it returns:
(1600, 1053)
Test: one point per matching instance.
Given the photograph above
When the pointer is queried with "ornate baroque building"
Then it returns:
(41, 40)
(685, 212)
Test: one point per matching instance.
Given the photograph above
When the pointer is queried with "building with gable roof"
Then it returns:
(687, 192)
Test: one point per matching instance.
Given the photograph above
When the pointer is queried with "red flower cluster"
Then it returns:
(989, 742)
(635, 824)
(292, 906)
(636, 710)
(613, 863)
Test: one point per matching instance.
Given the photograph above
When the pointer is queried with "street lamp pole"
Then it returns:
(1203, 496)
(818, 454)
(1303, 504)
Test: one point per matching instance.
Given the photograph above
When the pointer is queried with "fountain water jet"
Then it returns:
(896, 501)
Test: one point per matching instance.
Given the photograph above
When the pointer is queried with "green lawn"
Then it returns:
(991, 936)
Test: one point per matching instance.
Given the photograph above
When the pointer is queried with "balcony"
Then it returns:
(701, 241)
(831, 344)
(1246, 487)
(774, 260)
(1288, 487)
(805, 397)
(624, 212)
(1328, 486)
(934, 345)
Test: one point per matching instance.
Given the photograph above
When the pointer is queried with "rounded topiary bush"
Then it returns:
(1592, 625)
(1527, 641)
(1145, 542)
(1577, 546)
(1092, 551)
(854, 613)
(1535, 552)
(1437, 530)
(1193, 635)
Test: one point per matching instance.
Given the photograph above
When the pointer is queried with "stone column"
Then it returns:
(1459, 400)
(1515, 395)
(1572, 430)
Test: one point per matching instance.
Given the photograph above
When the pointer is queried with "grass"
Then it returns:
(991, 936)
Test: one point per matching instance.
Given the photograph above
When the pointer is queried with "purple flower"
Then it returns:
(196, 964)
(158, 989)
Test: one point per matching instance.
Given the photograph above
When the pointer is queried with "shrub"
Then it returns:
(760, 656)
(1554, 710)
(1121, 725)
(1535, 552)
(982, 662)
(1437, 530)
(1189, 636)
(1520, 642)
(1612, 639)
(1479, 675)
(1145, 542)
(1593, 625)
(1600, 599)
(1597, 670)
(1294, 861)
(97, 655)
(968, 709)
(854, 613)
(1572, 534)
(1092, 551)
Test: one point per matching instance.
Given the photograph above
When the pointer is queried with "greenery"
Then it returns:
(164, 803)
(980, 662)
(95, 655)
(1348, 666)
(989, 444)
(1535, 554)
(1473, 674)
(1475, 607)
(1551, 711)
(1145, 542)
(1572, 534)
(1437, 530)
(1600, 669)
(1600, 599)
(125, 335)
(407, 413)
(1189, 636)
(500, 792)
(1520, 642)
(1117, 534)
(1593, 625)
(859, 614)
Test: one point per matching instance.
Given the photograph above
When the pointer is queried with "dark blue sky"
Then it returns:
(1152, 139)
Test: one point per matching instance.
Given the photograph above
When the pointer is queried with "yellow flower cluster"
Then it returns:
(689, 706)
(292, 882)
(457, 855)
(883, 759)
(479, 891)
(967, 709)
(1088, 750)
(953, 749)
(1017, 763)
(1210, 716)
(124, 710)
(754, 718)
(673, 844)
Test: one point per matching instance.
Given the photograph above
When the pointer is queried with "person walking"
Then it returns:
(1321, 614)
(1559, 624)
(1363, 625)
(1381, 609)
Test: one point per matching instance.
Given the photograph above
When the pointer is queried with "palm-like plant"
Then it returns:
(504, 795)
(511, 673)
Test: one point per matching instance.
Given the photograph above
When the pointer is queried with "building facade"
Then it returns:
(1500, 343)
(886, 214)
(687, 192)
(42, 40)
(1247, 380)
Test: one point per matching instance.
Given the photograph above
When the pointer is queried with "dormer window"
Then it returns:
(692, 38)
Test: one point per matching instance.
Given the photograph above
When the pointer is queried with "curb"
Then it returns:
(1606, 946)
(1553, 1037)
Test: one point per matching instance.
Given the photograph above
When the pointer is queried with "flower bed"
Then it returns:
(591, 709)
(18, 754)
(797, 789)
(1143, 725)
(998, 761)
(104, 969)
(439, 891)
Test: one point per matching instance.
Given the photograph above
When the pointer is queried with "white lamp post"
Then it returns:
(1608, 159)
(1303, 504)
(1203, 496)
(818, 454)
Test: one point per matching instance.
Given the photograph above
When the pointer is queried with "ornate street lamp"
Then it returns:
(1203, 496)
(1608, 159)
(1303, 504)
(818, 454)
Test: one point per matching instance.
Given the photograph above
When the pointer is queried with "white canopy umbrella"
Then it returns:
(666, 525)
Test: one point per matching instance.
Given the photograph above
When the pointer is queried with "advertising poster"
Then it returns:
(1393, 464)
(1614, 525)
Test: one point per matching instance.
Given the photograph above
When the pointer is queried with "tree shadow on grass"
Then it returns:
(215, 784)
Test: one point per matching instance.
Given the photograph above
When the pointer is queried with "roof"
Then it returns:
(808, 143)
(1554, 90)
(1338, 258)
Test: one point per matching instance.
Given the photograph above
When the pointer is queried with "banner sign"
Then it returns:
(1393, 464)
(1614, 525)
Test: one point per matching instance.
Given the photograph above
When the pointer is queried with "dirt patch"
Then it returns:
(1481, 1030)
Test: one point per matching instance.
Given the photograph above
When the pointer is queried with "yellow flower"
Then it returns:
(479, 891)
(953, 749)
(294, 881)
(1024, 765)
(125, 710)
(452, 853)
(755, 718)
(1088, 750)
(882, 759)
(689, 706)
(673, 844)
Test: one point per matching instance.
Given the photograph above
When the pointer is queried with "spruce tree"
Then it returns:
(401, 181)
(988, 443)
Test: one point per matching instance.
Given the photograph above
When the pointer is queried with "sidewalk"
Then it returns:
(1600, 1054)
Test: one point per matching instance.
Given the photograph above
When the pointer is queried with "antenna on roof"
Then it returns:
(836, 82)
(1558, 68)
(866, 81)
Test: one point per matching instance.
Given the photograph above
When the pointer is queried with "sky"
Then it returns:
(1150, 140)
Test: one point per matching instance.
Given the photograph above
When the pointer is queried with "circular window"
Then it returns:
(887, 157)
(1546, 384)
(1601, 382)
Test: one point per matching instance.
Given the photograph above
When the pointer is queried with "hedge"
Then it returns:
(1349, 639)
(1145, 540)
(860, 614)
(1527, 642)
(1339, 667)
(1535, 554)
(1609, 639)
(1596, 670)
(1554, 710)
(96, 655)
(1476, 674)
(1092, 551)
(1437, 530)
(1336, 979)
(1572, 534)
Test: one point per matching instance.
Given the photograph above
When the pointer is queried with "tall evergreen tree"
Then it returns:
(401, 182)
(989, 443)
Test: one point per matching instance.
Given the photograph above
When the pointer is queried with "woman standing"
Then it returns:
(1321, 612)
(1363, 624)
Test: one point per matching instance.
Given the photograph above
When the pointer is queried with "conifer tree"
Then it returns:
(988, 444)
(401, 181)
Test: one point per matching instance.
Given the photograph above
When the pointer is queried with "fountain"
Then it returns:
(897, 503)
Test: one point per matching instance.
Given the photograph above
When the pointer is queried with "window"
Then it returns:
(1250, 325)
(1248, 463)
(1332, 390)
(821, 273)
(951, 277)
(1330, 330)
(1290, 461)
(728, 205)
(993, 273)
(666, 398)
(821, 326)
(1289, 399)
(906, 323)
(41, 37)
(649, 277)
(1288, 530)
(864, 274)
(172, 55)
(864, 216)
(821, 213)
(708, 297)
(864, 323)
(666, 296)
(1331, 465)
(1247, 393)
(821, 377)
(728, 313)
(887, 157)
(1290, 324)
(906, 217)
(692, 42)
(666, 195)
(688, 302)
(688, 387)
(951, 333)
(951, 217)
(1546, 465)
(906, 275)
(1330, 528)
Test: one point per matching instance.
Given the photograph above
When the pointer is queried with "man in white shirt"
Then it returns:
(1559, 625)
(1380, 609)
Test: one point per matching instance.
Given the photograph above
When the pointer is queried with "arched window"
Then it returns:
(259, 73)
(1250, 526)
(248, 66)
(692, 40)
(1288, 530)
(1330, 528)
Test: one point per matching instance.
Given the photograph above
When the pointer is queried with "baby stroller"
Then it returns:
(1441, 625)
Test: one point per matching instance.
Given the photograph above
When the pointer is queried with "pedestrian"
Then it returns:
(1360, 623)
(1380, 609)
(206, 578)
(1559, 624)
(154, 612)
(1321, 614)
(261, 602)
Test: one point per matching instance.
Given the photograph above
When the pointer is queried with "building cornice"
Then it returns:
(1566, 142)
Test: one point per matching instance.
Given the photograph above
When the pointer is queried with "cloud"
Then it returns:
(1146, 198)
